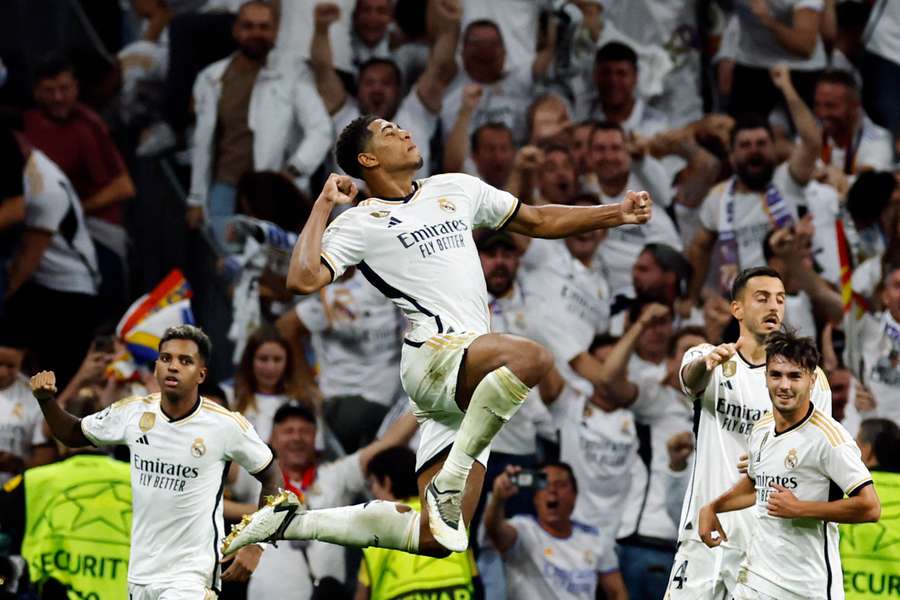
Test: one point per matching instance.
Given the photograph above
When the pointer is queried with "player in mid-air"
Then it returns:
(728, 386)
(181, 447)
(413, 241)
(796, 452)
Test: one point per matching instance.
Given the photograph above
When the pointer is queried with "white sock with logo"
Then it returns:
(377, 523)
(495, 400)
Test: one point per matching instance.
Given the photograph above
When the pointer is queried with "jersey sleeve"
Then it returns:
(342, 243)
(519, 550)
(690, 356)
(491, 207)
(709, 210)
(107, 427)
(607, 561)
(843, 463)
(246, 448)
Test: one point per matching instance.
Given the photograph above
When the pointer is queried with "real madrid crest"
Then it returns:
(446, 205)
(729, 368)
(379, 214)
(791, 460)
(198, 448)
(18, 410)
(148, 420)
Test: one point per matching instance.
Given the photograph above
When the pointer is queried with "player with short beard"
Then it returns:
(796, 452)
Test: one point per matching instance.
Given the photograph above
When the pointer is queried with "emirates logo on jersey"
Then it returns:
(791, 460)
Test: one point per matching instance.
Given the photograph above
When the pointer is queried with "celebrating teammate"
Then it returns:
(795, 454)
(181, 446)
(728, 381)
(413, 241)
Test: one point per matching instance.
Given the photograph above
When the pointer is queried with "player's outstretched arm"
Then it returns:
(741, 496)
(696, 373)
(306, 273)
(271, 479)
(862, 507)
(64, 426)
(557, 221)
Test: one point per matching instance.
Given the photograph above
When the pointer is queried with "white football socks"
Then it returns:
(496, 398)
(377, 523)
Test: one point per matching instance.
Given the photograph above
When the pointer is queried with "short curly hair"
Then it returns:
(351, 142)
(801, 351)
(190, 333)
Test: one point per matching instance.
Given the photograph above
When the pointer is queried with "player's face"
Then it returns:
(294, 441)
(834, 107)
(57, 95)
(269, 363)
(557, 177)
(789, 385)
(392, 148)
(10, 366)
(500, 265)
(890, 296)
(255, 30)
(608, 156)
(760, 306)
(555, 502)
(179, 368)
(378, 92)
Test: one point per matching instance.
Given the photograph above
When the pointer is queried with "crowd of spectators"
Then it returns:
(766, 131)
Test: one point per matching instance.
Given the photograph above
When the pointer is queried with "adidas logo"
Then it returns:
(393, 221)
(143, 440)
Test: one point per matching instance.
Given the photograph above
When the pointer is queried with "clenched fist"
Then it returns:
(339, 189)
(636, 208)
(43, 386)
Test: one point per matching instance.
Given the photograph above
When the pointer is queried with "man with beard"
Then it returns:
(249, 118)
(852, 142)
(740, 211)
(379, 83)
(616, 174)
(549, 169)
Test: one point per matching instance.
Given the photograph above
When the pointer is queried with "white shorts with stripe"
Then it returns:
(429, 372)
(702, 573)
(169, 592)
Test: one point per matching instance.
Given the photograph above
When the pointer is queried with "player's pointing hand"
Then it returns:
(721, 354)
(339, 189)
(636, 208)
(43, 385)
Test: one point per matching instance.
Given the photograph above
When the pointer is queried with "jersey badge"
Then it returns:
(446, 205)
(626, 426)
(379, 214)
(588, 411)
(18, 410)
(548, 551)
(791, 460)
(198, 448)
(729, 368)
(148, 420)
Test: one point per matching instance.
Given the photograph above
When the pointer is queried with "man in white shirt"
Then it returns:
(251, 116)
(551, 556)
(616, 79)
(181, 446)
(760, 196)
(413, 240)
(881, 64)
(379, 79)
(797, 454)
(852, 142)
(55, 264)
(616, 174)
(727, 383)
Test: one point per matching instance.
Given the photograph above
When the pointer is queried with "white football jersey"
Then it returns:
(724, 414)
(178, 470)
(419, 252)
(21, 421)
(541, 566)
(795, 559)
(601, 447)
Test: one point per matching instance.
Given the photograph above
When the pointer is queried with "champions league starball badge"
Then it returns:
(148, 420)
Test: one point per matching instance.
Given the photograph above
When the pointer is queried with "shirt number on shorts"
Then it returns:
(680, 575)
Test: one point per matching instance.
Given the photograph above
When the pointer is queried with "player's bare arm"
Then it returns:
(306, 273)
(741, 496)
(64, 426)
(862, 507)
(696, 373)
(556, 221)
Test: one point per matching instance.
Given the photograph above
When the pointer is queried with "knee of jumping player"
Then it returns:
(530, 361)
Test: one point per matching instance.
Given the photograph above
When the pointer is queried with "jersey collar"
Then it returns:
(748, 363)
(799, 423)
(403, 199)
(194, 410)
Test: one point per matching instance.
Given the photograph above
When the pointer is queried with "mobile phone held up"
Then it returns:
(529, 478)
